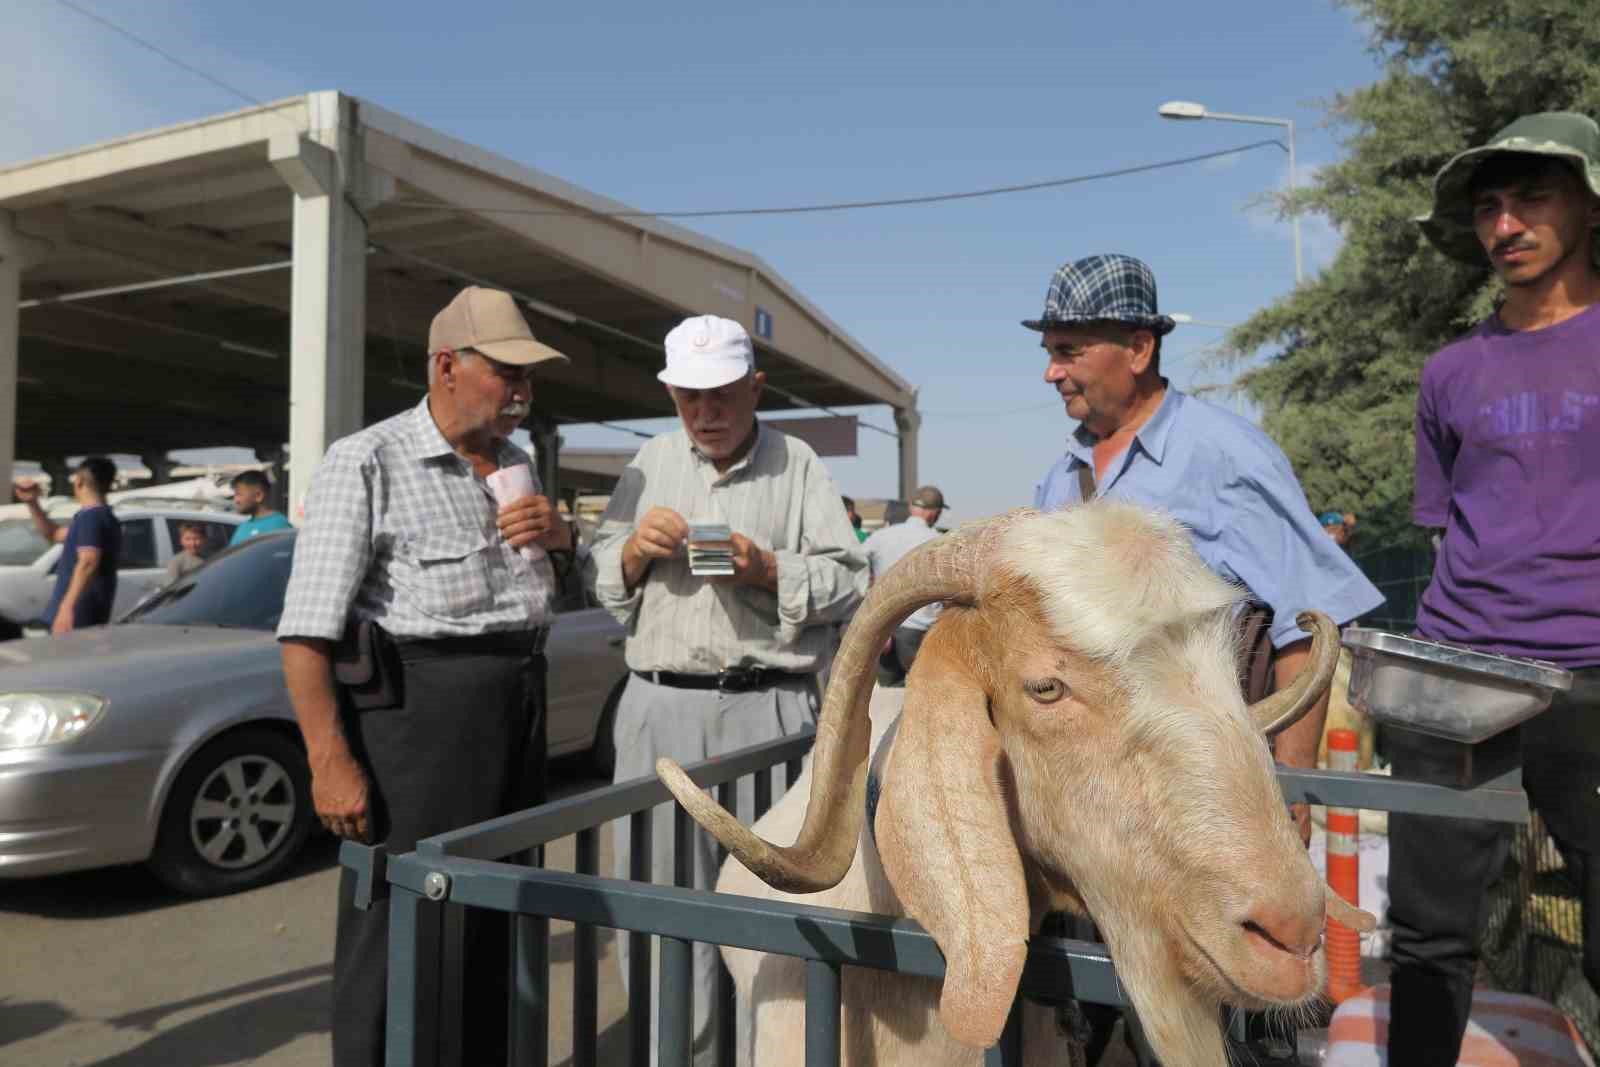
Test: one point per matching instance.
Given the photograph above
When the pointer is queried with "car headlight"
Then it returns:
(28, 720)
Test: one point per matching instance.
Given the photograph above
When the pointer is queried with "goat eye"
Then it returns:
(1045, 690)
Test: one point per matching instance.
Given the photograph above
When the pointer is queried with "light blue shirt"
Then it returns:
(1232, 486)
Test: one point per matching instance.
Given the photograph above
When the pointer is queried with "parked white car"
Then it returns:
(149, 541)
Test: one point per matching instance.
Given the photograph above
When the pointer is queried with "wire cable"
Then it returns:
(841, 205)
(158, 50)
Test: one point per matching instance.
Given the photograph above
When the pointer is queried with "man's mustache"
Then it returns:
(1514, 244)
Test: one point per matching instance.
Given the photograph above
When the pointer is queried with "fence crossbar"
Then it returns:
(538, 826)
(1057, 967)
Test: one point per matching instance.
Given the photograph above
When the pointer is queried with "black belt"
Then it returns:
(734, 680)
(530, 642)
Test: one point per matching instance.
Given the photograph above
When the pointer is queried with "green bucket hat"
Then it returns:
(1557, 134)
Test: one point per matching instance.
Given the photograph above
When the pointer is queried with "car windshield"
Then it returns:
(20, 543)
(241, 588)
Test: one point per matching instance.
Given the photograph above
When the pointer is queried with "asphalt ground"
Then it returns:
(109, 968)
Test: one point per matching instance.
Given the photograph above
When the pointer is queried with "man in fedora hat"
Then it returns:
(884, 549)
(1140, 439)
(1507, 434)
(413, 634)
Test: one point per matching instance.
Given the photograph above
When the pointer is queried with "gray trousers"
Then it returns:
(690, 725)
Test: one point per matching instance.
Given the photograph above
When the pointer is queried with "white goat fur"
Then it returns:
(1122, 588)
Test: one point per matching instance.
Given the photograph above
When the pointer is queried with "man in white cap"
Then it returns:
(413, 635)
(719, 663)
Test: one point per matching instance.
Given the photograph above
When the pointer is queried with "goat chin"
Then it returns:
(890, 1020)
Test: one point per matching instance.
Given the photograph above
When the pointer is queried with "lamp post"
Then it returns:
(1188, 110)
(1183, 319)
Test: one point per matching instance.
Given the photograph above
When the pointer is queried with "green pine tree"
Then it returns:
(1341, 394)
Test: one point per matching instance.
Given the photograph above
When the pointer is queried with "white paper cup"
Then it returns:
(509, 485)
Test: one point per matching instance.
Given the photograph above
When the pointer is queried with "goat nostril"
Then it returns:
(1284, 931)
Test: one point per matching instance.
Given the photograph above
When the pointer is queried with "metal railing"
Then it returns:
(467, 868)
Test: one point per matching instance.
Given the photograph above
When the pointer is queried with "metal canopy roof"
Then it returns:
(157, 365)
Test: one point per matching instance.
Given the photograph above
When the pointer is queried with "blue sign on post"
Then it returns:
(763, 323)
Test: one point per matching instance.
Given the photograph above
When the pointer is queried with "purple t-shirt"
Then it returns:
(1508, 464)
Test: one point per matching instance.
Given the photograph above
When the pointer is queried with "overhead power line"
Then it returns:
(158, 50)
(840, 205)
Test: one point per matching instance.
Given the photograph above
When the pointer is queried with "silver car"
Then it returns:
(167, 737)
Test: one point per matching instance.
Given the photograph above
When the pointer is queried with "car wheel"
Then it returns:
(603, 754)
(237, 815)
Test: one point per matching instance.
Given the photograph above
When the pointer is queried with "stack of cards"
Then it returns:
(710, 549)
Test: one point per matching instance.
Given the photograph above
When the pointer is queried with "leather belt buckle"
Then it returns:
(739, 680)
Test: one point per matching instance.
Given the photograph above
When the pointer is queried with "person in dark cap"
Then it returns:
(1508, 431)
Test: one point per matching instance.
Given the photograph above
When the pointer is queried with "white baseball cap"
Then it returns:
(707, 352)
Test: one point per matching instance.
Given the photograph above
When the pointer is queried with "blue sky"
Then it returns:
(718, 105)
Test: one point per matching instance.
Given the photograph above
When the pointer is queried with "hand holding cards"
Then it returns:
(710, 549)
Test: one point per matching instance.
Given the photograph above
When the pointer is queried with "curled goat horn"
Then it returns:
(1275, 713)
(950, 568)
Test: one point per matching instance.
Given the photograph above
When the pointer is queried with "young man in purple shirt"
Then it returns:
(1508, 468)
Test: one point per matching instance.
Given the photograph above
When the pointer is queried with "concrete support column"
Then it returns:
(908, 421)
(547, 455)
(277, 459)
(326, 174)
(17, 253)
(59, 471)
(160, 465)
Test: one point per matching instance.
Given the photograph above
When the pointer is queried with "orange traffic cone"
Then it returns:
(1344, 874)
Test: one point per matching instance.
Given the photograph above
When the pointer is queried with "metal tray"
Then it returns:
(1446, 690)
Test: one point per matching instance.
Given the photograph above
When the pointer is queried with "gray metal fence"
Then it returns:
(429, 888)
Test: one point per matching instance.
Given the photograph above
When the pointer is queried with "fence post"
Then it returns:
(412, 1027)
(822, 1014)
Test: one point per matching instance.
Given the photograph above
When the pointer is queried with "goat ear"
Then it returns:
(944, 836)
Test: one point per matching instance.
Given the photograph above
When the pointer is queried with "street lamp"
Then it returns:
(1188, 110)
(1183, 319)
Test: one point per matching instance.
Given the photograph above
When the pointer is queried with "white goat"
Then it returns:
(1072, 738)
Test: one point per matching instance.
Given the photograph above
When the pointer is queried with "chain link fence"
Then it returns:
(1533, 939)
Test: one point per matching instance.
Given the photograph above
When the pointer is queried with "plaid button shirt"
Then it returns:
(400, 529)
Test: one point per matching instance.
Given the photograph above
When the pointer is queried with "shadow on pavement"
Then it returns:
(131, 890)
(22, 1019)
(239, 1033)
(611, 1046)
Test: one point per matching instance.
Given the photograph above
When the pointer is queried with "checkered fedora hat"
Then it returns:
(1104, 288)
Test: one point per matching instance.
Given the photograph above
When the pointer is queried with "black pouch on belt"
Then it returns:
(366, 667)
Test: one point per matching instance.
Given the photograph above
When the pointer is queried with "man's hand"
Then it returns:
(63, 620)
(752, 565)
(26, 492)
(659, 535)
(533, 520)
(339, 794)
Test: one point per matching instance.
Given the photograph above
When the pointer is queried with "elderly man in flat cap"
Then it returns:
(719, 662)
(413, 635)
(1138, 438)
(1508, 435)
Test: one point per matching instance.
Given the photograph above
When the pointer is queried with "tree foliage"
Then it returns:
(1340, 395)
